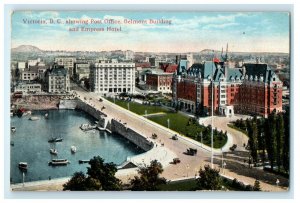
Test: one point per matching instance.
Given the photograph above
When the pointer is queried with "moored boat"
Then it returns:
(58, 162)
(83, 161)
(23, 165)
(86, 127)
(13, 129)
(46, 116)
(73, 149)
(55, 139)
(34, 118)
(53, 151)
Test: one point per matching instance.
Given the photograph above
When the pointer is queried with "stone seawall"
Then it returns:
(131, 135)
(78, 104)
(103, 122)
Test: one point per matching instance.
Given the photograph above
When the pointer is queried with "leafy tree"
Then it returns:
(256, 186)
(101, 176)
(209, 179)
(105, 173)
(286, 141)
(254, 142)
(76, 183)
(270, 132)
(279, 139)
(148, 178)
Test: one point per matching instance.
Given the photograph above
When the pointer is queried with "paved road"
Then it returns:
(220, 122)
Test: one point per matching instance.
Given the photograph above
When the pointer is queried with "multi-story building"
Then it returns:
(112, 77)
(129, 55)
(252, 89)
(33, 73)
(81, 70)
(161, 82)
(67, 62)
(27, 88)
(57, 79)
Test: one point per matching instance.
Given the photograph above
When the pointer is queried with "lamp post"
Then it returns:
(128, 106)
(187, 170)
(23, 179)
(201, 139)
(168, 123)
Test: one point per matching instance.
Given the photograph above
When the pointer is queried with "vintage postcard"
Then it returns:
(150, 101)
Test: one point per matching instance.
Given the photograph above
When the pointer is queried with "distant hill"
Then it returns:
(26, 48)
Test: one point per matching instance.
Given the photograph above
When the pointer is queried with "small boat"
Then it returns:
(12, 143)
(55, 139)
(73, 149)
(58, 162)
(83, 161)
(46, 115)
(86, 127)
(34, 118)
(13, 129)
(53, 151)
(26, 113)
(23, 165)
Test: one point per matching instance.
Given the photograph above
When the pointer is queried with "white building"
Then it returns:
(67, 62)
(129, 55)
(112, 78)
(22, 65)
(81, 70)
(27, 88)
(57, 79)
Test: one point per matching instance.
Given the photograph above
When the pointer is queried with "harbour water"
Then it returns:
(30, 144)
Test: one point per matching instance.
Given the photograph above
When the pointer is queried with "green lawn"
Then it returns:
(186, 185)
(138, 108)
(180, 123)
(177, 122)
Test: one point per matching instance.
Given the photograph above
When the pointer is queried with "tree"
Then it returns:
(254, 141)
(270, 131)
(148, 178)
(286, 141)
(101, 176)
(279, 139)
(105, 173)
(256, 186)
(209, 179)
(76, 183)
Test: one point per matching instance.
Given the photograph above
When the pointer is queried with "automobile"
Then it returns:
(191, 151)
(176, 161)
(233, 147)
(154, 136)
(174, 137)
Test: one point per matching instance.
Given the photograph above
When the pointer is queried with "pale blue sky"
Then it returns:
(189, 31)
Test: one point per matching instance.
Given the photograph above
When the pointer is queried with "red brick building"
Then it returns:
(161, 82)
(252, 89)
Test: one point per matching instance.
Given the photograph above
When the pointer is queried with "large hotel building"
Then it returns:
(252, 89)
(112, 77)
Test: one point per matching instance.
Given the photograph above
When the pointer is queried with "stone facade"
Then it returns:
(57, 79)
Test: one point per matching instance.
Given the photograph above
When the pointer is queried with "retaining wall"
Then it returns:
(131, 135)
